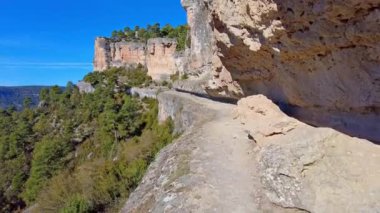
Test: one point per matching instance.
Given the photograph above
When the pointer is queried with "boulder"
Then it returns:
(305, 168)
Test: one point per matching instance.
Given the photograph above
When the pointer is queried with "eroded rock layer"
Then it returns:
(158, 55)
(161, 58)
(322, 57)
(118, 54)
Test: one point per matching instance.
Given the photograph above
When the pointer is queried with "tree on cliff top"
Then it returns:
(142, 34)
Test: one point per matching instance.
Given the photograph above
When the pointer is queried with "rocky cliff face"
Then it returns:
(118, 54)
(320, 57)
(158, 55)
(199, 55)
(161, 58)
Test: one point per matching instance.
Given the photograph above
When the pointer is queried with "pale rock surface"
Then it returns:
(306, 168)
(254, 158)
(144, 92)
(161, 58)
(85, 87)
(127, 54)
(199, 55)
(118, 54)
(158, 55)
(102, 58)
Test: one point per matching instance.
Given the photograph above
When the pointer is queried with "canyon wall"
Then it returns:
(118, 54)
(161, 59)
(320, 59)
(158, 55)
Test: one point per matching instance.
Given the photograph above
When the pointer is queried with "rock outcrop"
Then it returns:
(118, 54)
(158, 55)
(85, 87)
(102, 58)
(306, 168)
(321, 58)
(254, 158)
(144, 92)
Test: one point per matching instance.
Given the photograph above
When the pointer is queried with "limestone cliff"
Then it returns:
(321, 58)
(158, 55)
(118, 54)
(161, 58)
(199, 55)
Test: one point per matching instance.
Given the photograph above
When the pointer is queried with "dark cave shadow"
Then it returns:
(363, 126)
(201, 95)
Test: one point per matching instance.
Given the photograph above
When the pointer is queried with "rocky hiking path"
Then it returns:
(222, 160)
(211, 170)
(283, 166)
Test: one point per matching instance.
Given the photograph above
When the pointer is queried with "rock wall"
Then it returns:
(158, 55)
(144, 92)
(102, 58)
(321, 58)
(199, 55)
(118, 54)
(161, 58)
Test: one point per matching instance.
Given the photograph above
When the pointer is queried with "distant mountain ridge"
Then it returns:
(15, 95)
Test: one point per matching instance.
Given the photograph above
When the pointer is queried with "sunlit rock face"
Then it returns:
(199, 55)
(118, 54)
(102, 58)
(161, 58)
(321, 58)
(159, 55)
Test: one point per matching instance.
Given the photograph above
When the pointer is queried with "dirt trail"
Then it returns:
(208, 169)
(223, 161)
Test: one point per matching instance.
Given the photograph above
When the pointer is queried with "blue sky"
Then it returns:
(44, 42)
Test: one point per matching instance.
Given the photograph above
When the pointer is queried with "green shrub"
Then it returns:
(48, 158)
(76, 204)
(185, 76)
(154, 31)
(165, 83)
(174, 77)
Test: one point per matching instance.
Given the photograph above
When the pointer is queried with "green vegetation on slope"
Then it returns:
(153, 31)
(80, 152)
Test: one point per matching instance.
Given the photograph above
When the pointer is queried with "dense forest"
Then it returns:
(153, 31)
(79, 152)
